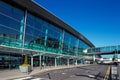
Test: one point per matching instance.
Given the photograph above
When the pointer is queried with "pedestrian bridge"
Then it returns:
(103, 50)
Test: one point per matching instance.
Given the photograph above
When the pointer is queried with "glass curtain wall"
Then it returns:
(69, 44)
(81, 47)
(73, 46)
(41, 35)
(11, 31)
(10, 60)
(11, 25)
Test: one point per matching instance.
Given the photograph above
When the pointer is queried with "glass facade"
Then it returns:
(81, 47)
(105, 49)
(69, 44)
(39, 34)
(11, 21)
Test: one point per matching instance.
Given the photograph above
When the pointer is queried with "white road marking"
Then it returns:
(91, 76)
(30, 78)
(114, 70)
(23, 78)
(63, 73)
(37, 79)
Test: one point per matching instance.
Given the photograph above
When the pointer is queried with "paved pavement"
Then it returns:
(12, 74)
(90, 72)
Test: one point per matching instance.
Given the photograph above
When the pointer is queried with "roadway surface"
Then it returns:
(91, 72)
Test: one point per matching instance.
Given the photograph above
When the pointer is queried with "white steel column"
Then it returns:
(55, 62)
(40, 62)
(45, 40)
(32, 62)
(68, 63)
(23, 41)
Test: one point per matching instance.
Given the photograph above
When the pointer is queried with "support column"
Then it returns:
(40, 62)
(10, 62)
(21, 32)
(68, 63)
(24, 29)
(45, 41)
(32, 62)
(55, 62)
(62, 42)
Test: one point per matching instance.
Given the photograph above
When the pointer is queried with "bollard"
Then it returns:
(49, 76)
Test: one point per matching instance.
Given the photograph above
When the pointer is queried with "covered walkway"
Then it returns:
(37, 57)
(103, 50)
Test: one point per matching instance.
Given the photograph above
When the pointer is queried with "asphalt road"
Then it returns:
(91, 72)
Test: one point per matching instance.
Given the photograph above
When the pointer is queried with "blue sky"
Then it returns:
(97, 20)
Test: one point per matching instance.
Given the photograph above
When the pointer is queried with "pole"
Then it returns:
(40, 61)
(68, 62)
(32, 62)
(55, 62)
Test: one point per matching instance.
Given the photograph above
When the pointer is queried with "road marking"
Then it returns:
(23, 78)
(63, 73)
(114, 70)
(37, 79)
(91, 76)
(107, 73)
(29, 78)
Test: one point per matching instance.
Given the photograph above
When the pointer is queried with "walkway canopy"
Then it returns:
(24, 51)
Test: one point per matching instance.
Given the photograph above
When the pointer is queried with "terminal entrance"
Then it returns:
(14, 60)
(10, 61)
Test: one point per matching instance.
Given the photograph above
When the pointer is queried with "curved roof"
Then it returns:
(42, 13)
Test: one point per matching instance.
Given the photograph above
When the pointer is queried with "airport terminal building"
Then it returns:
(28, 29)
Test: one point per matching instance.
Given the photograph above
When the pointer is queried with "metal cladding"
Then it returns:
(37, 10)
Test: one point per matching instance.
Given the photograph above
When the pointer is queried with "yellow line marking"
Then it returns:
(107, 73)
